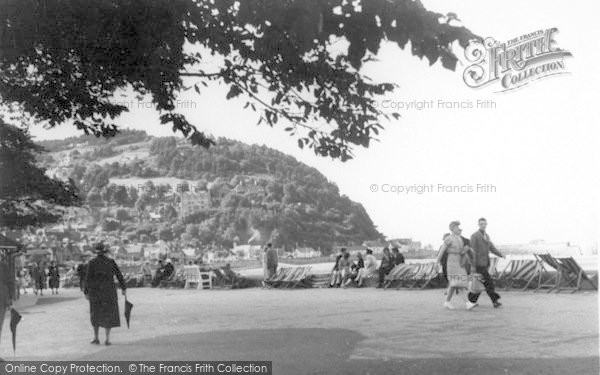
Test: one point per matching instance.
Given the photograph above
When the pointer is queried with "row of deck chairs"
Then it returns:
(412, 276)
(545, 272)
(569, 275)
(542, 273)
(290, 277)
(518, 274)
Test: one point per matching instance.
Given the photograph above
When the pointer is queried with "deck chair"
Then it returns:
(519, 272)
(192, 276)
(434, 272)
(493, 268)
(410, 276)
(573, 274)
(553, 280)
(396, 274)
(275, 280)
(321, 280)
(300, 278)
(289, 277)
(502, 277)
(530, 268)
(294, 277)
(423, 277)
(206, 278)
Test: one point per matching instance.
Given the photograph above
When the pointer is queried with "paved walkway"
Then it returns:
(328, 331)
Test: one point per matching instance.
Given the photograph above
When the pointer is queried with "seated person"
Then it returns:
(397, 257)
(130, 280)
(344, 268)
(335, 272)
(169, 268)
(146, 271)
(355, 268)
(238, 280)
(385, 267)
(159, 274)
(369, 269)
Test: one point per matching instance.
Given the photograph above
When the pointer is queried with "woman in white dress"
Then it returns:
(369, 269)
(457, 253)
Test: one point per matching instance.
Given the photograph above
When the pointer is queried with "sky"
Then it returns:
(533, 148)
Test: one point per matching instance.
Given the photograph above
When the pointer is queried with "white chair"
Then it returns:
(192, 276)
(205, 280)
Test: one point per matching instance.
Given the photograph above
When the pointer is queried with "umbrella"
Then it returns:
(128, 307)
(15, 318)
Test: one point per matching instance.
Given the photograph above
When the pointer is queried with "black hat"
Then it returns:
(100, 248)
(369, 251)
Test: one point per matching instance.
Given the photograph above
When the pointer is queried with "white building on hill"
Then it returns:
(192, 202)
(306, 252)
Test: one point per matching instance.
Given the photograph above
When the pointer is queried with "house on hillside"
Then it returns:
(376, 246)
(189, 252)
(247, 251)
(219, 191)
(192, 202)
(155, 216)
(352, 249)
(306, 252)
(134, 251)
(248, 186)
(157, 250)
(406, 244)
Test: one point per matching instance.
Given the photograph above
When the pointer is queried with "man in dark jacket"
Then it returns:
(397, 256)
(482, 245)
(101, 291)
(387, 263)
(169, 269)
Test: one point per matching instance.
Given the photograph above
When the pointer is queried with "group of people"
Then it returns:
(38, 275)
(346, 272)
(465, 261)
(163, 272)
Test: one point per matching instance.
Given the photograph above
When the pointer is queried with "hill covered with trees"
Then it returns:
(133, 185)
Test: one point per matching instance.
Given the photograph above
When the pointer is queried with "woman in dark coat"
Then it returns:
(39, 278)
(54, 277)
(5, 290)
(100, 289)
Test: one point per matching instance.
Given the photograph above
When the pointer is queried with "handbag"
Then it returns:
(475, 283)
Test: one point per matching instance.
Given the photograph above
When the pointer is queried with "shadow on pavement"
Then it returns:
(324, 351)
(48, 300)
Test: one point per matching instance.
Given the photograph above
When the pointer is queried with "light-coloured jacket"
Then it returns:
(370, 263)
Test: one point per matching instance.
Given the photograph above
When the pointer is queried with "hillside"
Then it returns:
(133, 185)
